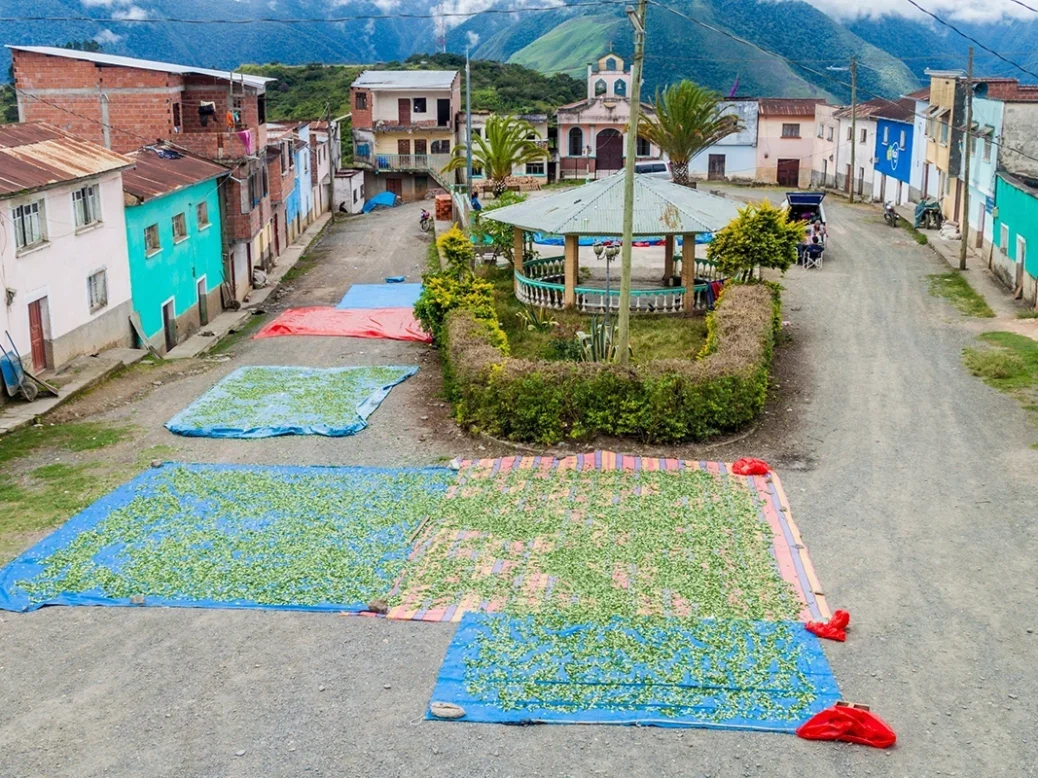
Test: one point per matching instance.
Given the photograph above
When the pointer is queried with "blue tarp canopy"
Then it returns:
(381, 200)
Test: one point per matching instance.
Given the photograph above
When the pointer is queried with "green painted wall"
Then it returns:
(175, 270)
(1018, 210)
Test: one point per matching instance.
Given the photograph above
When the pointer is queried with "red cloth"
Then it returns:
(851, 725)
(834, 629)
(748, 466)
(388, 323)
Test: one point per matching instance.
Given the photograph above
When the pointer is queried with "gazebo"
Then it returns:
(595, 210)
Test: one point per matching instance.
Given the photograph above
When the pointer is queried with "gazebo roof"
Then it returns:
(660, 208)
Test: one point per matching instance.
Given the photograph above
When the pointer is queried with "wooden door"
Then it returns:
(203, 303)
(609, 150)
(788, 172)
(420, 150)
(37, 336)
(403, 107)
(403, 150)
(395, 185)
(169, 325)
(715, 168)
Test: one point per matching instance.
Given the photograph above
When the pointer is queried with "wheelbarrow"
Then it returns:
(15, 379)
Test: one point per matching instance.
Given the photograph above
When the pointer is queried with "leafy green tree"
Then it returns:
(688, 119)
(760, 236)
(496, 235)
(505, 143)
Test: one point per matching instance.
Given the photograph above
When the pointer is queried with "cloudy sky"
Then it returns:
(963, 10)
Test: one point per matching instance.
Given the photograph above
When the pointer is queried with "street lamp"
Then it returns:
(610, 250)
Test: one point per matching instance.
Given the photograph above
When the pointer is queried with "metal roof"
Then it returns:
(160, 170)
(406, 79)
(35, 155)
(660, 208)
(789, 106)
(902, 110)
(256, 82)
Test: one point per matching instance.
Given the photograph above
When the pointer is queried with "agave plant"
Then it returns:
(599, 345)
(537, 318)
(505, 143)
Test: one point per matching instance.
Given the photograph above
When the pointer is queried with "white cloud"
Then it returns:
(473, 38)
(385, 6)
(951, 10)
(134, 14)
(107, 38)
(104, 3)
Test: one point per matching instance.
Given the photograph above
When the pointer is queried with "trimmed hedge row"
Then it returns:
(662, 401)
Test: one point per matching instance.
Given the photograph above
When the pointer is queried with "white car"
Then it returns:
(656, 169)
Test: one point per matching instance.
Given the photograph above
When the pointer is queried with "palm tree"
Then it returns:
(505, 142)
(688, 119)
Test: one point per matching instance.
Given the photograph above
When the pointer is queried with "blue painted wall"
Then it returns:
(894, 157)
(175, 269)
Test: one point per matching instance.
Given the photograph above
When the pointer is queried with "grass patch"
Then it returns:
(432, 258)
(954, 288)
(1031, 313)
(87, 436)
(908, 227)
(1009, 363)
(242, 333)
(303, 265)
(652, 337)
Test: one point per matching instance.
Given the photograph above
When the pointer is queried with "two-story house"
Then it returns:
(63, 270)
(122, 103)
(785, 140)
(404, 129)
(734, 157)
(592, 131)
(320, 167)
(893, 151)
(538, 121)
(825, 160)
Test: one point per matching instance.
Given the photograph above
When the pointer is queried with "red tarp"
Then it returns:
(389, 323)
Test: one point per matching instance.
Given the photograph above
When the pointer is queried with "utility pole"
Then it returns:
(468, 126)
(967, 142)
(854, 121)
(624, 335)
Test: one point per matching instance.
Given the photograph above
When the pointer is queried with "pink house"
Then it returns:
(785, 141)
(592, 131)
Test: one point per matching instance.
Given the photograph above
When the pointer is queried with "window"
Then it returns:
(821, 130)
(261, 108)
(97, 290)
(152, 245)
(477, 171)
(944, 132)
(176, 117)
(535, 168)
(477, 131)
(179, 228)
(620, 87)
(790, 130)
(1003, 240)
(440, 147)
(829, 134)
(266, 182)
(610, 64)
(600, 87)
(850, 134)
(354, 195)
(644, 148)
(987, 148)
(886, 135)
(902, 140)
(86, 205)
(864, 136)
(418, 105)
(202, 214)
(576, 142)
(360, 101)
(28, 225)
(1021, 250)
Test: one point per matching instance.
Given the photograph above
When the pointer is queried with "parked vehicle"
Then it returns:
(426, 221)
(656, 169)
(805, 207)
(928, 214)
(890, 216)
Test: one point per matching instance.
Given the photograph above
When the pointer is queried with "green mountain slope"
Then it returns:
(570, 46)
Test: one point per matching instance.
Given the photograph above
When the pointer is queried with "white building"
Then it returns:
(824, 158)
(733, 158)
(920, 180)
(348, 191)
(860, 131)
(538, 121)
(63, 254)
(320, 170)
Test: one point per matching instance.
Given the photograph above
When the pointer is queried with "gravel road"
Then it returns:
(913, 484)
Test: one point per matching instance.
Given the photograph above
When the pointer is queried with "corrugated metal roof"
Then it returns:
(257, 82)
(920, 94)
(156, 172)
(35, 155)
(660, 208)
(902, 110)
(789, 106)
(406, 79)
(865, 110)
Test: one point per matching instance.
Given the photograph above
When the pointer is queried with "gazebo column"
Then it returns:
(688, 270)
(571, 259)
(668, 258)
(518, 250)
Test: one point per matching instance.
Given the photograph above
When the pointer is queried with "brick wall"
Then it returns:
(361, 116)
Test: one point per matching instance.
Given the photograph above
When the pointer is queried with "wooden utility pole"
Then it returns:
(854, 122)
(967, 142)
(623, 341)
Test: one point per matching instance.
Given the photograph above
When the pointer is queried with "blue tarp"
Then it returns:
(233, 536)
(264, 402)
(381, 200)
(544, 239)
(756, 675)
(389, 295)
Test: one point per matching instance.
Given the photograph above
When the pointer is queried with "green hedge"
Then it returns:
(662, 401)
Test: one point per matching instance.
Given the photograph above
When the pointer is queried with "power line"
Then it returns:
(1025, 5)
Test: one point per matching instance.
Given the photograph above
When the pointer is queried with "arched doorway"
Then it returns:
(609, 150)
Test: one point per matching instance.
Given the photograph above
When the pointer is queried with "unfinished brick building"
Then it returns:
(124, 103)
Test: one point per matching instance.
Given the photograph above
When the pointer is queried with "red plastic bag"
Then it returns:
(848, 724)
(834, 629)
(747, 466)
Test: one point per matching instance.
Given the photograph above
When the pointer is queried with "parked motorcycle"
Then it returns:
(426, 222)
(928, 214)
(890, 216)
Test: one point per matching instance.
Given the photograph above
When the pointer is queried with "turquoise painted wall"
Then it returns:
(1018, 210)
(174, 271)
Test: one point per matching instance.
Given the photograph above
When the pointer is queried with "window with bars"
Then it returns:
(440, 147)
(97, 290)
(28, 225)
(179, 228)
(86, 204)
(790, 130)
(535, 168)
(152, 244)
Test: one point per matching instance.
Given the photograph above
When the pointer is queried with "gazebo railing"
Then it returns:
(545, 267)
(539, 293)
(705, 269)
(591, 300)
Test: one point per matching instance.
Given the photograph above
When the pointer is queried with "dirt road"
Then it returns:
(913, 483)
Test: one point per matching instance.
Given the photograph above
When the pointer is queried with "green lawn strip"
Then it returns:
(263, 536)
(245, 331)
(954, 287)
(1009, 362)
(85, 436)
(303, 265)
(690, 545)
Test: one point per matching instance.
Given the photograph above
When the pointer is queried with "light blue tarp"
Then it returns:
(232, 536)
(264, 402)
(754, 675)
(390, 295)
(544, 239)
(381, 200)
